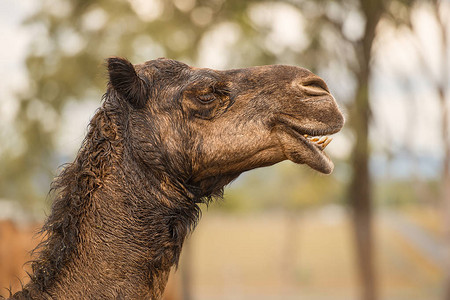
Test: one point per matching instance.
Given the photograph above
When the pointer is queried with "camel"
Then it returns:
(167, 138)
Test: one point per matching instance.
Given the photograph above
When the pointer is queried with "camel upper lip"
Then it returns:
(315, 139)
(292, 122)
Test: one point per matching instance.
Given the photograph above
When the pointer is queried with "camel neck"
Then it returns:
(115, 230)
(128, 242)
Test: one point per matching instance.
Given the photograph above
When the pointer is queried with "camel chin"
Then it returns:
(300, 149)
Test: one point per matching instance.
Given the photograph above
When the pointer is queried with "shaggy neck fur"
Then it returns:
(115, 230)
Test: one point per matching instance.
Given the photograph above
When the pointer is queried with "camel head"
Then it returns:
(207, 126)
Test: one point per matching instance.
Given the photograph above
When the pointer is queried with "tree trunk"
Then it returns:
(361, 186)
(360, 195)
(446, 203)
(443, 92)
(445, 183)
(445, 186)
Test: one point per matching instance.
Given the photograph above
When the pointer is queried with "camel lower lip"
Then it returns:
(301, 150)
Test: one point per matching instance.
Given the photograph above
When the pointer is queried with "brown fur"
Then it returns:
(166, 138)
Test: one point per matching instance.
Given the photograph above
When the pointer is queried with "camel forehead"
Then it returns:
(165, 63)
(163, 67)
(174, 73)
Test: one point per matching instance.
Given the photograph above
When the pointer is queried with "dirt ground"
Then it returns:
(15, 243)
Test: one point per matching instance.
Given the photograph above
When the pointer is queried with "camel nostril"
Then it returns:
(315, 87)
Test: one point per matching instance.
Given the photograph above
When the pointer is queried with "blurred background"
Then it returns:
(377, 228)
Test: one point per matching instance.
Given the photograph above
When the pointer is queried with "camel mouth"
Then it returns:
(306, 146)
(310, 150)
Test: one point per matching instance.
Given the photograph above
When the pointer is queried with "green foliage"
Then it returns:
(405, 192)
(283, 186)
(73, 37)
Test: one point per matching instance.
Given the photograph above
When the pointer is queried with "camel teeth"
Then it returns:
(314, 139)
(322, 140)
(326, 142)
(305, 135)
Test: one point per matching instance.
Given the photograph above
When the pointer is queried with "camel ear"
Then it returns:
(124, 79)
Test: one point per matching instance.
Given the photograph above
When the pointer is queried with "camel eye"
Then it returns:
(206, 98)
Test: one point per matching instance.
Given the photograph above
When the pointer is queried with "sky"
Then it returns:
(406, 112)
(14, 43)
(405, 104)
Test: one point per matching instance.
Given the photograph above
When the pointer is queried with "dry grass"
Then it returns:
(277, 256)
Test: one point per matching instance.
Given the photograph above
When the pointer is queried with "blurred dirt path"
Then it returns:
(425, 243)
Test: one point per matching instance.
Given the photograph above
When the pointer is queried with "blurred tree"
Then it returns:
(360, 188)
(352, 45)
(439, 78)
(346, 30)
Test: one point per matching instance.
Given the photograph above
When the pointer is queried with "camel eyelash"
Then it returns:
(215, 91)
(221, 89)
